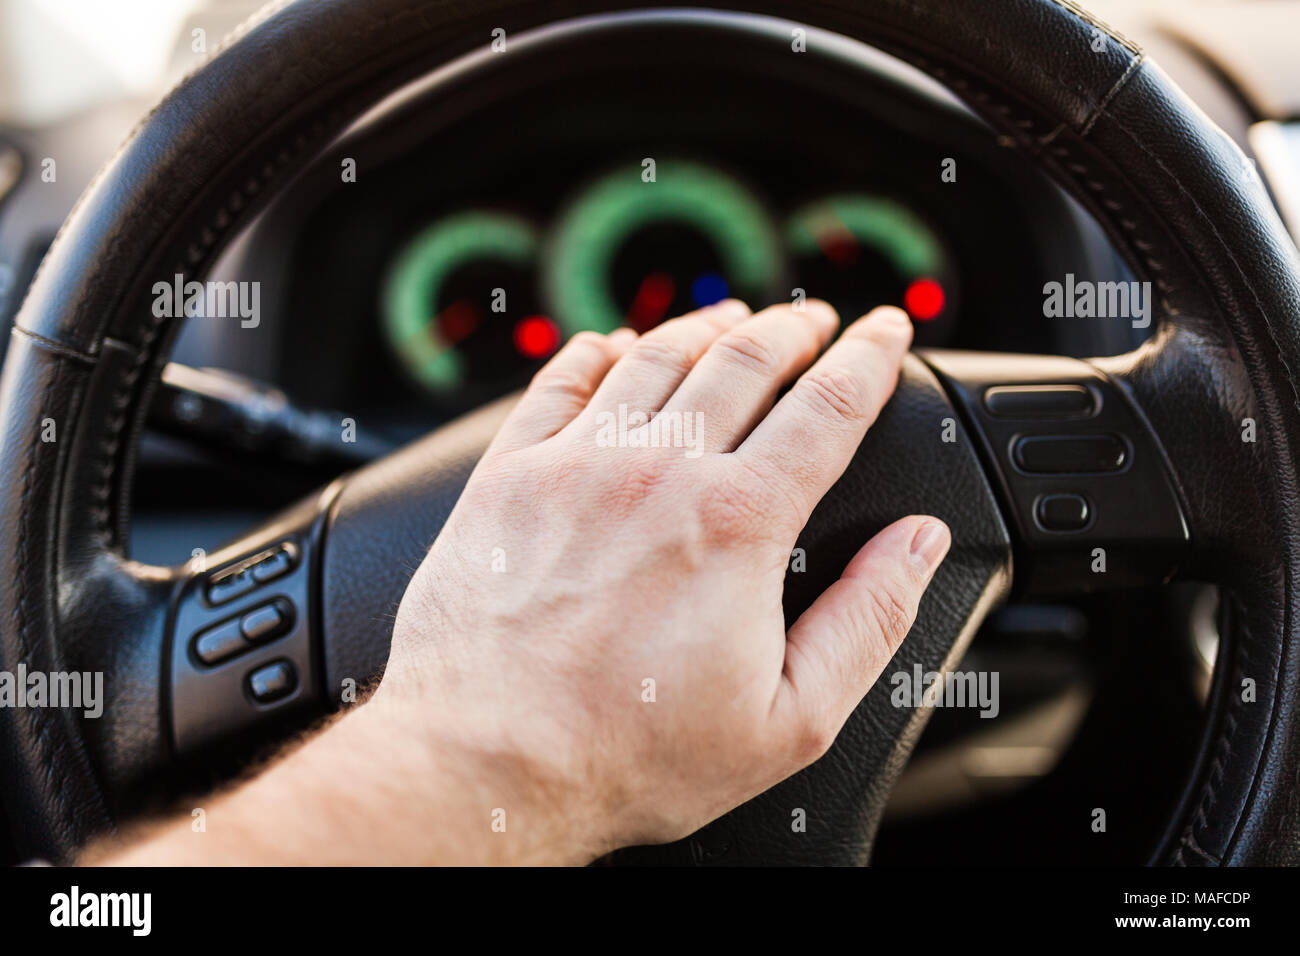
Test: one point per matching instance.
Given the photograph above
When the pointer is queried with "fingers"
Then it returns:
(562, 387)
(837, 648)
(653, 368)
(722, 361)
(738, 378)
(809, 438)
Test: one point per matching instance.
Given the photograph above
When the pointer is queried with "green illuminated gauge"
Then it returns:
(859, 251)
(459, 304)
(631, 252)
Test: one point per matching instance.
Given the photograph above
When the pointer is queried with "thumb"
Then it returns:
(841, 644)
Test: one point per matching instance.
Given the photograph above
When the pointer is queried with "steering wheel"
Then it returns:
(1175, 460)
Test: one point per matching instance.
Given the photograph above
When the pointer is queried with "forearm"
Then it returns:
(371, 786)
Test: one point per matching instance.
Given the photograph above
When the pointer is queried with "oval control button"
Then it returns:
(268, 621)
(272, 682)
(1070, 454)
(1040, 401)
(1063, 512)
(218, 643)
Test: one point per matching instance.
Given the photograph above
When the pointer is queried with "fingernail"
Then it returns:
(731, 307)
(619, 336)
(822, 312)
(929, 546)
(891, 315)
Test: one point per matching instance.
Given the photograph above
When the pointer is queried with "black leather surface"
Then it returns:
(1229, 353)
(1174, 195)
(48, 782)
(380, 529)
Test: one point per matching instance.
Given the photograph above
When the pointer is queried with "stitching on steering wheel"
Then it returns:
(1259, 306)
(196, 253)
(49, 345)
(1230, 725)
(25, 649)
(1113, 92)
(1142, 249)
(1214, 775)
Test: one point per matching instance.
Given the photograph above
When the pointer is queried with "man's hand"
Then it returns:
(604, 620)
(594, 654)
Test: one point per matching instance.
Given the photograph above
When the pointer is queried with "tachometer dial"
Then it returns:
(460, 307)
(859, 251)
(632, 252)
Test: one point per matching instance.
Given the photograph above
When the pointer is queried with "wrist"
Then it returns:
(480, 800)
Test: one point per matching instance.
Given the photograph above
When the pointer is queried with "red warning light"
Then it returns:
(924, 299)
(653, 299)
(457, 321)
(536, 336)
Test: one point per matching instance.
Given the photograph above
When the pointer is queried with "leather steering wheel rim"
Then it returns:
(1174, 194)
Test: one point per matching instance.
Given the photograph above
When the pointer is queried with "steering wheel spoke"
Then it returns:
(1083, 478)
(243, 654)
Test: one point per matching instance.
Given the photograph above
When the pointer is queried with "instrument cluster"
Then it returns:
(480, 297)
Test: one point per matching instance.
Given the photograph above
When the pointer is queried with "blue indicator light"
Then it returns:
(709, 288)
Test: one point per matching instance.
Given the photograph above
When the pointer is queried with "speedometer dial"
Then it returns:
(634, 252)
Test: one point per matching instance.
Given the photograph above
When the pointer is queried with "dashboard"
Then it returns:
(437, 254)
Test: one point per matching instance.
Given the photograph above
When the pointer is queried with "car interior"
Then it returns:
(427, 209)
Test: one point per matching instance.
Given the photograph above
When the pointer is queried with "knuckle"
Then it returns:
(590, 341)
(875, 338)
(562, 384)
(634, 482)
(892, 611)
(661, 352)
(773, 494)
(835, 393)
(813, 736)
(748, 350)
(733, 510)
